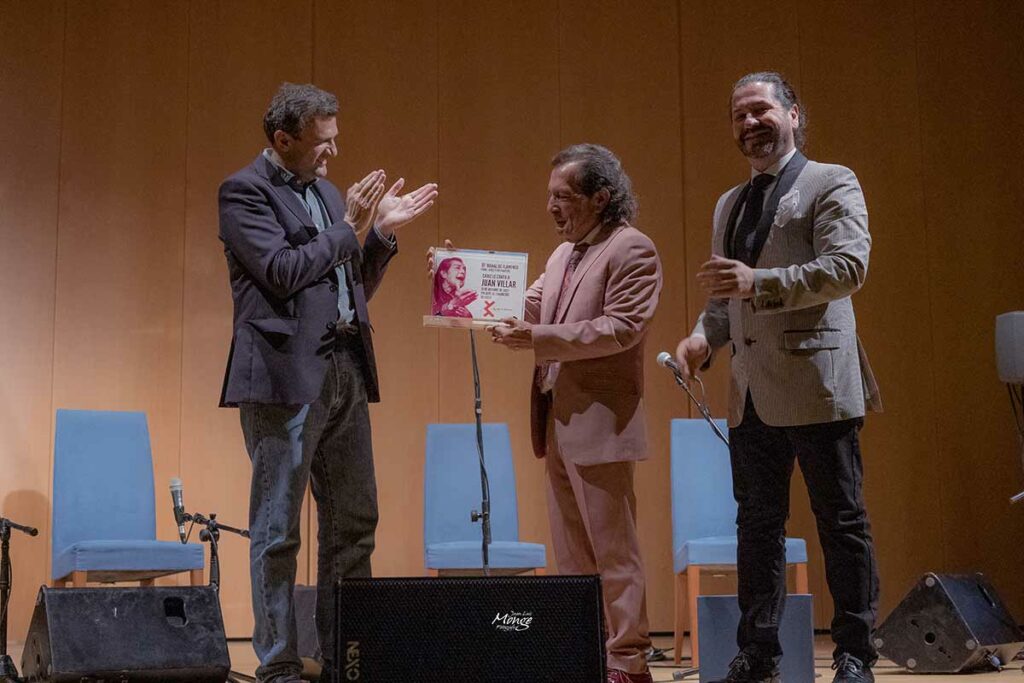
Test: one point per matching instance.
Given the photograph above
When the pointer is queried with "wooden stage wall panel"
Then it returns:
(969, 57)
(641, 125)
(121, 119)
(386, 81)
(880, 112)
(499, 126)
(31, 70)
(233, 68)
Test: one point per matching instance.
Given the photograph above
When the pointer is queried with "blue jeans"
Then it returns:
(325, 443)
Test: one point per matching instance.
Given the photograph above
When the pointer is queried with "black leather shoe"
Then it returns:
(748, 668)
(849, 669)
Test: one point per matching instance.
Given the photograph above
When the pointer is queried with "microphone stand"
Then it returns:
(702, 407)
(484, 516)
(211, 534)
(8, 672)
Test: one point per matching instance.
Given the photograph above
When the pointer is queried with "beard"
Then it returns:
(759, 143)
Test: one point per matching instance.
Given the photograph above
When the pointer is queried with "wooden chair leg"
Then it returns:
(692, 591)
(677, 619)
(195, 577)
(801, 578)
(79, 579)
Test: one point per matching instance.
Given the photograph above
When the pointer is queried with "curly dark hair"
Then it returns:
(294, 106)
(597, 167)
(784, 95)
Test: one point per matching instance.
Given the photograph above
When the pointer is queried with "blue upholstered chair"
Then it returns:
(104, 519)
(704, 520)
(451, 541)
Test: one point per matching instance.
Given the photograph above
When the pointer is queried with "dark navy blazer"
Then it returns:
(285, 287)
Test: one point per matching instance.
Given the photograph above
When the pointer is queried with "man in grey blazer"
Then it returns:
(789, 249)
(301, 367)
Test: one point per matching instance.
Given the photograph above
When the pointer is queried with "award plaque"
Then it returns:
(476, 288)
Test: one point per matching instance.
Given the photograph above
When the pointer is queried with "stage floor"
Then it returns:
(244, 661)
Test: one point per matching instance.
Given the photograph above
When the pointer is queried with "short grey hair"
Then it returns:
(784, 95)
(597, 167)
(294, 106)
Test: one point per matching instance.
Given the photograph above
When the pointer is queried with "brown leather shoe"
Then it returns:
(620, 676)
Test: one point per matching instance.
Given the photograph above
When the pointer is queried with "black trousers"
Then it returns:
(762, 465)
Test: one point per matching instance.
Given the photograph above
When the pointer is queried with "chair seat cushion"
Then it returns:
(501, 555)
(722, 550)
(129, 555)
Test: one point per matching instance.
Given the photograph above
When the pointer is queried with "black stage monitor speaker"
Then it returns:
(484, 630)
(126, 635)
(949, 623)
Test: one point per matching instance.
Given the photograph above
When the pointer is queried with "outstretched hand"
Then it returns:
(723, 278)
(513, 333)
(394, 211)
(691, 354)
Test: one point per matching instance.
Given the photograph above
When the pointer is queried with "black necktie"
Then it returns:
(746, 231)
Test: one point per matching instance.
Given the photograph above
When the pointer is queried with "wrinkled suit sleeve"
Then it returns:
(377, 252)
(713, 322)
(841, 244)
(631, 298)
(251, 231)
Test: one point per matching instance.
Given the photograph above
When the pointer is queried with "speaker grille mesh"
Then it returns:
(471, 629)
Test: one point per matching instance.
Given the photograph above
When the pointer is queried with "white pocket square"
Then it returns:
(787, 208)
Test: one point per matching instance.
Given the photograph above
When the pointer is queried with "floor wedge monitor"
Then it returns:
(949, 623)
(127, 635)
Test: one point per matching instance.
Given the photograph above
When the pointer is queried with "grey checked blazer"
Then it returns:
(795, 344)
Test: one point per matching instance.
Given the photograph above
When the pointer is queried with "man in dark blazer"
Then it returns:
(301, 368)
(789, 249)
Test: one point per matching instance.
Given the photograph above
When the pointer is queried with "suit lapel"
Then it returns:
(550, 295)
(332, 201)
(785, 183)
(729, 233)
(285, 195)
(589, 258)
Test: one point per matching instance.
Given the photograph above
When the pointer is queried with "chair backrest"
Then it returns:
(102, 478)
(452, 483)
(702, 501)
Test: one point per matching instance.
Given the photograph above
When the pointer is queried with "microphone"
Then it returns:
(666, 360)
(178, 499)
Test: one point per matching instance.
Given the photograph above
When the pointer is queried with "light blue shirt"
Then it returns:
(314, 203)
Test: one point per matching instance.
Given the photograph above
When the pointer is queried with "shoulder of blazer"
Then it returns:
(817, 171)
(630, 236)
(255, 173)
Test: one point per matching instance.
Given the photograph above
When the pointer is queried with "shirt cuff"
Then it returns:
(390, 241)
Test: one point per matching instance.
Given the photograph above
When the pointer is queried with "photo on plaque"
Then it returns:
(474, 288)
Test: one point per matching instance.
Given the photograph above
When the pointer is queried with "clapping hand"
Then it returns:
(395, 211)
(361, 200)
